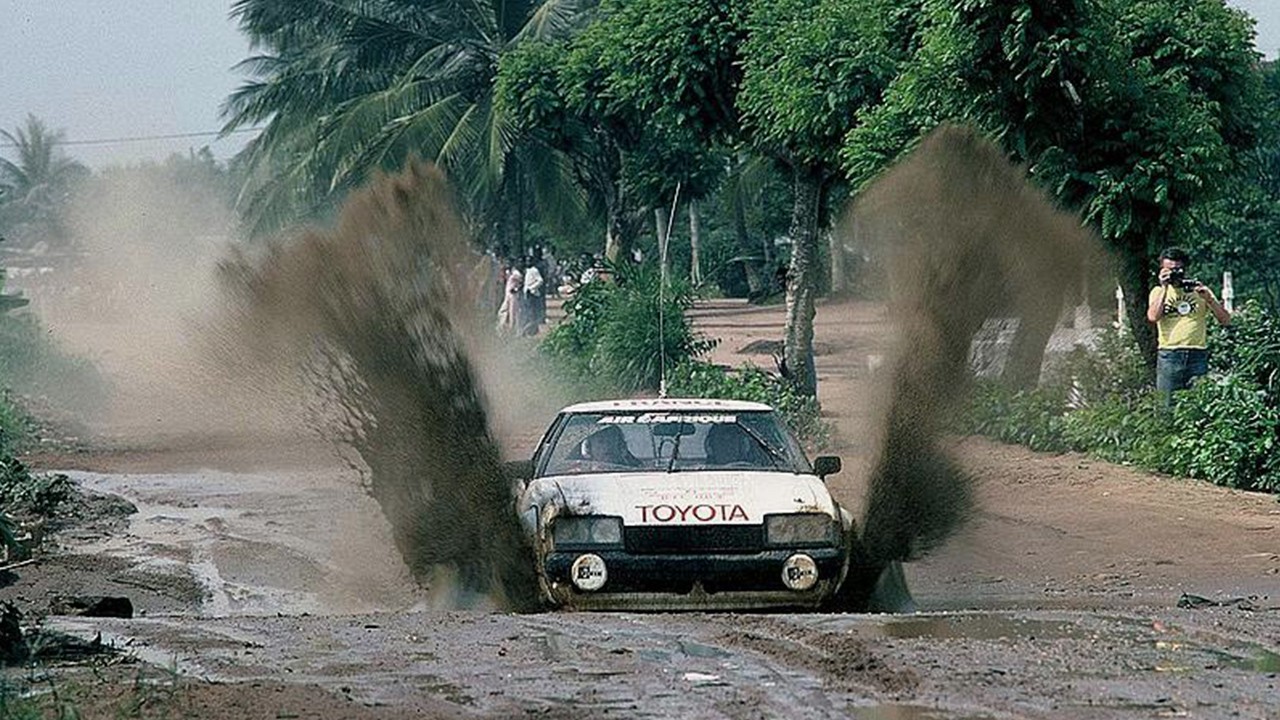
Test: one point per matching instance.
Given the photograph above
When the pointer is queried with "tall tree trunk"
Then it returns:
(617, 248)
(755, 286)
(835, 245)
(517, 177)
(695, 243)
(661, 221)
(624, 223)
(1134, 276)
(802, 278)
(1026, 354)
(510, 214)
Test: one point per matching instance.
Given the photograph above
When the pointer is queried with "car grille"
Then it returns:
(687, 539)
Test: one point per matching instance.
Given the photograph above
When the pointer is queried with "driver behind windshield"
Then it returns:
(607, 445)
(729, 444)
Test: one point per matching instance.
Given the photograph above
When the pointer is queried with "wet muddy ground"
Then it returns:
(269, 569)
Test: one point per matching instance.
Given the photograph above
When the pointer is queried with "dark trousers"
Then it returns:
(1175, 369)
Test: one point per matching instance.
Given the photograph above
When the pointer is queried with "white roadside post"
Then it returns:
(1228, 292)
(1120, 319)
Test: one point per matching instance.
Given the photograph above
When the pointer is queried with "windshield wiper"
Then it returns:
(675, 453)
(774, 454)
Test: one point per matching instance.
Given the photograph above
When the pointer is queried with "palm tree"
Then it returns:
(346, 87)
(35, 188)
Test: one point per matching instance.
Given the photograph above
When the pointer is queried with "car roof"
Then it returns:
(667, 405)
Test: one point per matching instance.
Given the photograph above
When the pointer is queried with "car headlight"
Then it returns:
(800, 529)
(587, 530)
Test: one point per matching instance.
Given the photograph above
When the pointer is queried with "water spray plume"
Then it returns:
(965, 237)
(376, 313)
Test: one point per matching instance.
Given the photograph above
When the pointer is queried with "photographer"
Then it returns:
(1179, 306)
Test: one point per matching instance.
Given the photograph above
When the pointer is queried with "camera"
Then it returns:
(1178, 276)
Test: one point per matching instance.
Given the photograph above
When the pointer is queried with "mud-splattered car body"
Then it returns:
(681, 504)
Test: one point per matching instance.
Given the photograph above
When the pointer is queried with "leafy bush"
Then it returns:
(32, 363)
(612, 332)
(16, 425)
(1032, 418)
(1224, 429)
(801, 412)
(609, 343)
(1250, 348)
(24, 493)
(1121, 430)
(1113, 369)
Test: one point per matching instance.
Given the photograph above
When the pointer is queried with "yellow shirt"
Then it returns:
(1185, 321)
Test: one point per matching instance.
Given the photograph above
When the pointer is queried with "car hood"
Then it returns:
(689, 498)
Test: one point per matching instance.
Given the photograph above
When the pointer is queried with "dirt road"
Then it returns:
(266, 578)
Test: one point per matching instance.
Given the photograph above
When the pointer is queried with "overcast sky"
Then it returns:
(106, 70)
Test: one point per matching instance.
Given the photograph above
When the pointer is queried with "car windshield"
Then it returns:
(615, 442)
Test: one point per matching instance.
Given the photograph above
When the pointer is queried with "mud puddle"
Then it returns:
(619, 665)
(283, 557)
(258, 544)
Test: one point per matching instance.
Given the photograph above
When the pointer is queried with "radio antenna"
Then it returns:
(662, 297)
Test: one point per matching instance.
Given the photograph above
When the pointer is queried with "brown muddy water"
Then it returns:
(284, 604)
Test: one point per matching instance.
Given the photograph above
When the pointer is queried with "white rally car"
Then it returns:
(681, 504)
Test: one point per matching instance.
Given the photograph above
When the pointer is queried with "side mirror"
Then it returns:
(521, 470)
(825, 465)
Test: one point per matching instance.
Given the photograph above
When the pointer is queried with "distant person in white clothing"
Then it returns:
(529, 316)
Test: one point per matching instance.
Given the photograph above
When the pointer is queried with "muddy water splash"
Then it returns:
(965, 237)
(375, 313)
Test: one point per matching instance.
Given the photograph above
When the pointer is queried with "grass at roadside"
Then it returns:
(114, 688)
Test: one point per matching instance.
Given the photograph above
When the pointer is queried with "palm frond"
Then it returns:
(553, 20)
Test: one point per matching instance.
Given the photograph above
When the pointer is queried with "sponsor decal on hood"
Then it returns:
(705, 498)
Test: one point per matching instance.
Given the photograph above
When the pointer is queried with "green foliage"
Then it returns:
(1250, 347)
(1114, 368)
(800, 411)
(32, 363)
(809, 70)
(1132, 113)
(612, 332)
(15, 706)
(1032, 418)
(1224, 429)
(27, 494)
(21, 492)
(344, 89)
(16, 425)
(1133, 430)
(37, 185)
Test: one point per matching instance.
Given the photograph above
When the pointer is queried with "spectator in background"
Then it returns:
(531, 298)
(1180, 307)
(554, 274)
(509, 313)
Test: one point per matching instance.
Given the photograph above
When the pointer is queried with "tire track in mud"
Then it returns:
(844, 662)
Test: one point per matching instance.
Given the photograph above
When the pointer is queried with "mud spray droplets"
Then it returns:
(374, 312)
(964, 237)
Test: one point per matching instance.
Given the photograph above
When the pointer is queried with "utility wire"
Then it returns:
(144, 138)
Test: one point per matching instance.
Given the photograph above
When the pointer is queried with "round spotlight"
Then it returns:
(799, 572)
(589, 573)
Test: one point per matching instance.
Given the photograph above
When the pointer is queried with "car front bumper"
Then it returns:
(692, 582)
